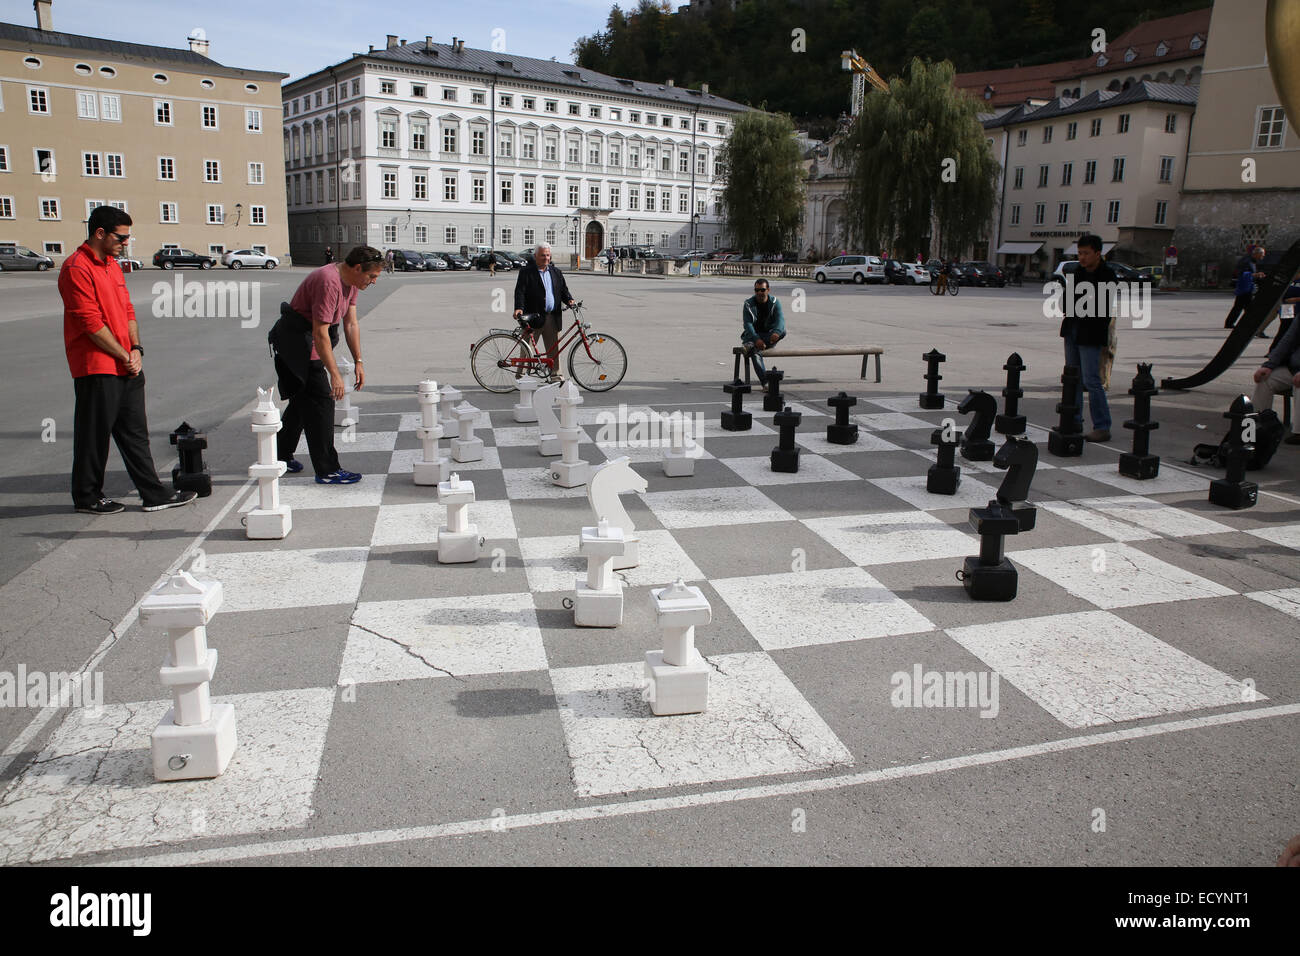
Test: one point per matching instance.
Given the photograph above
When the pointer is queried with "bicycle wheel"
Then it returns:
(954, 286)
(490, 361)
(604, 368)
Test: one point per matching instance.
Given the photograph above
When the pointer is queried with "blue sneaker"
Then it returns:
(293, 465)
(338, 478)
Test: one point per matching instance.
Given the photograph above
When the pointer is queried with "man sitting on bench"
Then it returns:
(764, 326)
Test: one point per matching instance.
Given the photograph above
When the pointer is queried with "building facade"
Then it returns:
(432, 146)
(185, 145)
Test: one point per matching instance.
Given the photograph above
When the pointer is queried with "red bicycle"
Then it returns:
(597, 361)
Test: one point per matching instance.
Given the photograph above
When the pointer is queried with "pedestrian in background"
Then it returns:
(1086, 332)
(1245, 290)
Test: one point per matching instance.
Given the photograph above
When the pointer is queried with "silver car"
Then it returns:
(239, 258)
(20, 257)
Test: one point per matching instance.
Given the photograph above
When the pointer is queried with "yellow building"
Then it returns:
(188, 147)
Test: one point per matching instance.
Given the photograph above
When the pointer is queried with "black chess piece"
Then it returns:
(1019, 456)
(931, 398)
(991, 576)
(1233, 490)
(1140, 463)
(842, 433)
(785, 456)
(1011, 422)
(975, 444)
(773, 400)
(192, 473)
(945, 475)
(1066, 439)
(737, 419)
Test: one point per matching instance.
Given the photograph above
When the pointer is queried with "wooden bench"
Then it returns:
(866, 351)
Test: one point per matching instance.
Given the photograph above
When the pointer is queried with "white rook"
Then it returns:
(679, 457)
(269, 519)
(345, 413)
(466, 447)
(598, 601)
(449, 397)
(548, 441)
(433, 466)
(195, 738)
(570, 471)
(524, 411)
(458, 540)
(677, 674)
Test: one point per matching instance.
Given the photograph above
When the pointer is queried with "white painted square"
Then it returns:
(1096, 521)
(410, 421)
(1146, 513)
(804, 608)
(814, 440)
(1287, 535)
(1169, 479)
(304, 494)
(971, 493)
(92, 787)
(890, 421)
(404, 459)
(360, 441)
(1286, 600)
(528, 483)
(1093, 668)
(553, 563)
(911, 404)
(265, 580)
(1130, 578)
(893, 537)
(705, 507)
(757, 724)
(419, 523)
(525, 436)
(812, 468)
(442, 637)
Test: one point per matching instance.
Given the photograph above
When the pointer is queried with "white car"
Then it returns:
(914, 274)
(239, 258)
(858, 269)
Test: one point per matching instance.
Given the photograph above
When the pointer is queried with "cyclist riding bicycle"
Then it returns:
(540, 287)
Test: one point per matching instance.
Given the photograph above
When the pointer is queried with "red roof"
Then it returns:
(1017, 84)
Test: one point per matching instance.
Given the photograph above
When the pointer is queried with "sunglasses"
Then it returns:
(118, 236)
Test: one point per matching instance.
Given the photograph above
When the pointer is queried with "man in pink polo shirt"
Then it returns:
(102, 342)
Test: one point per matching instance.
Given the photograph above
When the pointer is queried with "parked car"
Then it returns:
(1157, 273)
(20, 257)
(240, 258)
(502, 261)
(433, 262)
(1123, 272)
(857, 269)
(692, 254)
(984, 274)
(906, 273)
(127, 264)
(518, 260)
(454, 260)
(408, 260)
(172, 258)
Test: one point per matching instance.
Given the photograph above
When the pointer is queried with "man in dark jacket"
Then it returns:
(762, 326)
(1280, 371)
(1245, 289)
(1085, 328)
(540, 287)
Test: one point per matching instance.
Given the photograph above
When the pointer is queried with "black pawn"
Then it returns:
(1066, 439)
(1011, 422)
(991, 576)
(842, 433)
(192, 474)
(931, 398)
(975, 444)
(785, 456)
(944, 476)
(1140, 463)
(1233, 490)
(737, 419)
(773, 400)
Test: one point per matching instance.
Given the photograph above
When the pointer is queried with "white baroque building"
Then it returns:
(432, 146)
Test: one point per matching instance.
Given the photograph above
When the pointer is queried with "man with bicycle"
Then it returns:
(540, 287)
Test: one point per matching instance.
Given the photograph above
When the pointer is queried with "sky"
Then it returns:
(298, 38)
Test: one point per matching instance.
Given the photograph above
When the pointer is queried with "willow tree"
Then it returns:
(763, 199)
(915, 153)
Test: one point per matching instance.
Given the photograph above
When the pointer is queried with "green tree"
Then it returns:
(900, 148)
(763, 198)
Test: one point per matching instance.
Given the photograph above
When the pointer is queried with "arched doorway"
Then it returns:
(833, 228)
(595, 240)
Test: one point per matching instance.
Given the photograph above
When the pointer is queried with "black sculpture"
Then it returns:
(785, 456)
(1140, 463)
(842, 432)
(975, 444)
(931, 398)
(1066, 439)
(1233, 490)
(737, 419)
(192, 474)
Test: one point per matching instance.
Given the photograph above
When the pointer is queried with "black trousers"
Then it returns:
(311, 410)
(1239, 305)
(111, 405)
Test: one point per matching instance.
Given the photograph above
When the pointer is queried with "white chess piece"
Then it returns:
(448, 399)
(458, 539)
(433, 466)
(345, 413)
(466, 447)
(548, 427)
(524, 411)
(605, 484)
(195, 738)
(679, 457)
(570, 471)
(677, 675)
(270, 519)
(598, 599)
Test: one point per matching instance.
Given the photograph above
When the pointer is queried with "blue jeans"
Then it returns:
(756, 358)
(1087, 358)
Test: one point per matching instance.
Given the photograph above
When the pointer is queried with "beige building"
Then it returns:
(188, 147)
(1242, 184)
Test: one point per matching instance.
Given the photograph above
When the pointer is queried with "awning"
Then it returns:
(1074, 249)
(1019, 248)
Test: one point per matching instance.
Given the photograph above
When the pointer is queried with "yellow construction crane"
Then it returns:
(863, 73)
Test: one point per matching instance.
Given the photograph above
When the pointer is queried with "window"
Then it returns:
(699, 164)
(449, 234)
(216, 215)
(1094, 129)
(4, 159)
(575, 109)
(1071, 130)
(1015, 215)
(1117, 170)
(390, 186)
(681, 241)
(388, 87)
(50, 209)
(113, 165)
(166, 167)
(162, 113)
(1085, 213)
(1090, 172)
(530, 236)
(419, 137)
(530, 192)
(666, 160)
(478, 142)
(649, 200)
(651, 119)
(1047, 133)
(593, 155)
(356, 91)
(317, 99)
(550, 150)
(572, 152)
(110, 108)
(507, 191)
(593, 197)
(390, 233)
(718, 170)
(1270, 131)
(550, 236)
(211, 171)
(419, 185)
(717, 242)
(552, 194)
(257, 215)
(683, 162)
(449, 139)
(650, 157)
(253, 121)
(1067, 174)
(478, 235)
(1171, 122)
(665, 200)
(388, 134)
(634, 116)
(90, 164)
(573, 194)
(421, 235)
(1166, 169)
(419, 90)
(209, 117)
(683, 203)
(87, 105)
(1022, 137)
(633, 200)
(1043, 172)
(449, 187)
(478, 189)
(593, 112)
(53, 248)
(38, 100)
(507, 235)
(1121, 125)
(1162, 210)
(320, 187)
(683, 123)
(530, 102)
(1062, 213)
(615, 197)
(1112, 212)
(505, 100)
(1040, 212)
(92, 205)
(167, 212)
(45, 163)
(552, 106)
(1019, 181)
(506, 146)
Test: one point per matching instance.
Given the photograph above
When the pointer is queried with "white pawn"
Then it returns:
(679, 457)
(598, 601)
(524, 411)
(570, 471)
(433, 466)
(466, 447)
(458, 540)
(678, 677)
(548, 427)
(345, 413)
(270, 519)
(448, 397)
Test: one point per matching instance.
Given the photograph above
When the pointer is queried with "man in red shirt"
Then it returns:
(102, 343)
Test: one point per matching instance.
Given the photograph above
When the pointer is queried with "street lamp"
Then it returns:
(577, 222)
(695, 230)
